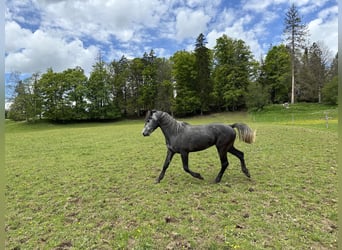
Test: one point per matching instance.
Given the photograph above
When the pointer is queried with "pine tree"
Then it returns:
(203, 68)
(330, 89)
(296, 33)
(318, 67)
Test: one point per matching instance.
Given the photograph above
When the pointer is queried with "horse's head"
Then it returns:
(151, 122)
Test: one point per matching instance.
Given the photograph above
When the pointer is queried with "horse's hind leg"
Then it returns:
(240, 155)
(224, 164)
(185, 160)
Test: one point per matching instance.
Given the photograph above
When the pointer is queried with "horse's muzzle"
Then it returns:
(144, 133)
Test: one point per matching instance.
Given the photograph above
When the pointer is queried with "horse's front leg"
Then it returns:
(168, 159)
(185, 160)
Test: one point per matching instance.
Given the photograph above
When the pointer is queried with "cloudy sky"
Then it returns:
(64, 34)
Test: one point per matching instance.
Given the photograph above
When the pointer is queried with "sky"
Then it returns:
(63, 34)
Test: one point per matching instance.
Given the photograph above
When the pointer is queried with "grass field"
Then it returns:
(91, 186)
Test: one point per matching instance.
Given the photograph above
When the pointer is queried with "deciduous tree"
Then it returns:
(232, 72)
(276, 74)
(185, 73)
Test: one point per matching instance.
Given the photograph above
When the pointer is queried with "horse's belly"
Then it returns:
(197, 143)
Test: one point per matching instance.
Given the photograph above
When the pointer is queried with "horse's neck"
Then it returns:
(169, 125)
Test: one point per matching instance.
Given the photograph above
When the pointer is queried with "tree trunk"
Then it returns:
(293, 85)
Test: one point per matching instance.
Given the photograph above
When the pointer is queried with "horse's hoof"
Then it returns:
(247, 174)
(217, 181)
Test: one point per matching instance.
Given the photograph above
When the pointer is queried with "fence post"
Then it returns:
(326, 120)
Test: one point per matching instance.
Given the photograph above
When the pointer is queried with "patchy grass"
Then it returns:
(303, 114)
(91, 186)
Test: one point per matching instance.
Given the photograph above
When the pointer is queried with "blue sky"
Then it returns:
(64, 34)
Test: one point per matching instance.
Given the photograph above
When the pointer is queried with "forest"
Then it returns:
(227, 77)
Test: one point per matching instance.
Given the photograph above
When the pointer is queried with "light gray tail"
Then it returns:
(246, 134)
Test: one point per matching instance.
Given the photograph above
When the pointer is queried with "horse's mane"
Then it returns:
(171, 123)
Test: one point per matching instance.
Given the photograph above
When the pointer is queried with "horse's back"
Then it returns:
(222, 130)
(203, 136)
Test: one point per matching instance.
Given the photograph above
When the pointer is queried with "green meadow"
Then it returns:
(92, 186)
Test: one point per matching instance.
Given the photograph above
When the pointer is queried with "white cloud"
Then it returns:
(256, 5)
(189, 23)
(237, 31)
(58, 33)
(194, 3)
(37, 51)
(121, 19)
(328, 13)
(325, 28)
(226, 18)
(16, 37)
(321, 28)
(308, 6)
(57, 42)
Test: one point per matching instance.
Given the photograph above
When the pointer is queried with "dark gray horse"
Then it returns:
(184, 138)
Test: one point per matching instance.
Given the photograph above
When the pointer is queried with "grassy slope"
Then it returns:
(92, 186)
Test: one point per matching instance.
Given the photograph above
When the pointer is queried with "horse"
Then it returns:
(183, 138)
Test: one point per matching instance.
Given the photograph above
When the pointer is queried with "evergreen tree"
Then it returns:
(295, 32)
(318, 68)
(21, 107)
(330, 89)
(27, 102)
(304, 78)
(164, 98)
(136, 81)
(97, 95)
(149, 87)
(203, 68)
(119, 72)
(333, 70)
(102, 105)
(312, 74)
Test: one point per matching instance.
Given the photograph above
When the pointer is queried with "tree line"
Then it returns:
(225, 78)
